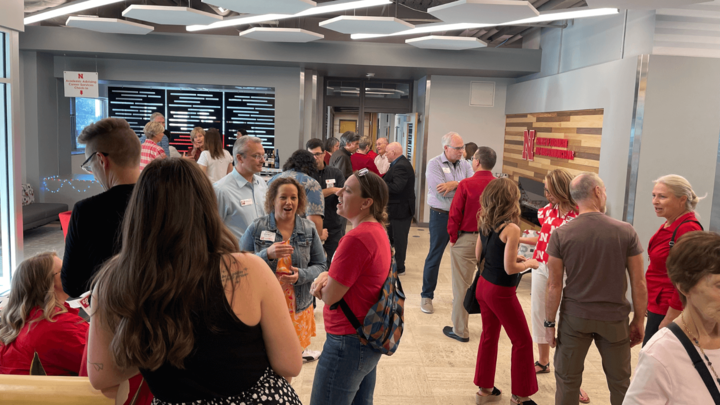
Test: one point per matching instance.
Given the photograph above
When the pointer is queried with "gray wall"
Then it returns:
(11, 14)
(450, 110)
(609, 86)
(680, 133)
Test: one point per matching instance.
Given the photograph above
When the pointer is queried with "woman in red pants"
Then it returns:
(499, 306)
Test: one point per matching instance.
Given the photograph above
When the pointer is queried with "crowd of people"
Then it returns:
(218, 307)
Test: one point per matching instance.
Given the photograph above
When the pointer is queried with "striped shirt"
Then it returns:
(149, 152)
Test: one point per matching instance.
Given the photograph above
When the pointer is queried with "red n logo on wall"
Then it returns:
(528, 145)
(80, 75)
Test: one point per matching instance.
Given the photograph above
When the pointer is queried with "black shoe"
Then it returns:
(448, 331)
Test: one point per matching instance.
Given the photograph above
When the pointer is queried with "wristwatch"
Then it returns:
(549, 324)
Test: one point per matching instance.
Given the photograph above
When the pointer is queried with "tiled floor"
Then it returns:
(428, 367)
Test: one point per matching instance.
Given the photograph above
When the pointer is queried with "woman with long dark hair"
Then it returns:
(499, 307)
(203, 323)
(215, 161)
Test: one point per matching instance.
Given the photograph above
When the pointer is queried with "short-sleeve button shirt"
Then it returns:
(550, 220)
(315, 199)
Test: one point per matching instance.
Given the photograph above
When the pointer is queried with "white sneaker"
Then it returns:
(426, 305)
(310, 355)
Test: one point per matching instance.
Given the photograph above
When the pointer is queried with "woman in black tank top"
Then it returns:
(169, 304)
(499, 306)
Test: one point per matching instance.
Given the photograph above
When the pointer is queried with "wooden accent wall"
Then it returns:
(582, 129)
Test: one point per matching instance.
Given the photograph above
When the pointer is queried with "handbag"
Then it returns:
(470, 302)
(697, 362)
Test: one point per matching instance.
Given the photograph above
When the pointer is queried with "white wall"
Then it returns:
(609, 86)
(680, 133)
(450, 110)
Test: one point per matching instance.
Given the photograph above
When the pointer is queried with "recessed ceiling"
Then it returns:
(170, 15)
(281, 35)
(484, 11)
(446, 43)
(642, 4)
(263, 6)
(109, 25)
(348, 24)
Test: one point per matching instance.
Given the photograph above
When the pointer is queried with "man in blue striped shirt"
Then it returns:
(443, 174)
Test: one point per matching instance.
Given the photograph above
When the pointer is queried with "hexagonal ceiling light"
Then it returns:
(109, 25)
(446, 43)
(164, 15)
(349, 24)
(295, 35)
(484, 11)
(642, 4)
(264, 6)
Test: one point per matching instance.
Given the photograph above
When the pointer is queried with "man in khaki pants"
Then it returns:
(463, 232)
(597, 253)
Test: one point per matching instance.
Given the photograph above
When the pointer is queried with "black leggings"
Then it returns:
(651, 327)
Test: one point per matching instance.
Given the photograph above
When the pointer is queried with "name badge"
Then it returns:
(330, 183)
(243, 203)
(446, 170)
(267, 236)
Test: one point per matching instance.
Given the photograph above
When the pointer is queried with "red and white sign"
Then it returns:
(529, 145)
(81, 84)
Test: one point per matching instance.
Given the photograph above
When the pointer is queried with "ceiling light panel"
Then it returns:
(348, 24)
(163, 15)
(263, 6)
(484, 11)
(295, 35)
(446, 43)
(70, 9)
(642, 4)
(109, 25)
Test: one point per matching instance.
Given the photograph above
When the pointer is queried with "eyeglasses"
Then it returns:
(458, 148)
(257, 156)
(318, 154)
(86, 164)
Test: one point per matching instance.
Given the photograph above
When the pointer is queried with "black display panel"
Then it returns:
(135, 105)
(190, 109)
(253, 114)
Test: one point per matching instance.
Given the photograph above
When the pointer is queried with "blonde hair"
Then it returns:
(500, 203)
(153, 128)
(680, 187)
(559, 186)
(195, 132)
(33, 285)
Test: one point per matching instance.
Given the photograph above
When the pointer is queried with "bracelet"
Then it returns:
(549, 324)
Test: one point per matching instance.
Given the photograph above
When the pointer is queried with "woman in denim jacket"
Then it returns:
(285, 202)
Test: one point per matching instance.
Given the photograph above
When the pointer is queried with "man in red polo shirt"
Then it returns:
(361, 160)
(463, 231)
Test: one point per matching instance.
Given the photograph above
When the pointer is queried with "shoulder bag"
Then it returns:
(697, 362)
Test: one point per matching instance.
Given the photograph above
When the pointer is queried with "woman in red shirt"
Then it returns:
(347, 369)
(673, 199)
(37, 320)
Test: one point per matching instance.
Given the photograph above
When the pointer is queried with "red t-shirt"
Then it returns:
(149, 152)
(360, 161)
(372, 154)
(466, 204)
(59, 344)
(328, 155)
(662, 292)
(550, 220)
(361, 262)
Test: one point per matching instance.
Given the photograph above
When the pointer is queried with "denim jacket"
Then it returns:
(308, 255)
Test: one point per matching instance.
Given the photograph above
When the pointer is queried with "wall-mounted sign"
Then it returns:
(554, 153)
(81, 84)
(528, 145)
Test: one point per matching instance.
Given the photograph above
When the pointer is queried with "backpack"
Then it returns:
(384, 323)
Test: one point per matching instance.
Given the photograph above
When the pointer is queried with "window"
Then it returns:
(85, 111)
(9, 248)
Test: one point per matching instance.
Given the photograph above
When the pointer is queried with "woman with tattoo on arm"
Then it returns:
(203, 323)
(284, 233)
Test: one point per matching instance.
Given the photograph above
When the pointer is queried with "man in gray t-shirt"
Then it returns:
(596, 252)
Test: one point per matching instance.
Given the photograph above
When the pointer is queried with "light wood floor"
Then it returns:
(430, 368)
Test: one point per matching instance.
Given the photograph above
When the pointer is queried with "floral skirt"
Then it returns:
(271, 389)
(304, 322)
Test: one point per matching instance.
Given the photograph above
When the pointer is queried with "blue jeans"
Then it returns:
(439, 239)
(345, 374)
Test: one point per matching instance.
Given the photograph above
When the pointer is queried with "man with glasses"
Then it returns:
(112, 152)
(463, 231)
(331, 180)
(241, 194)
(443, 174)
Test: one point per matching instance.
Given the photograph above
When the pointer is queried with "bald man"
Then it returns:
(400, 179)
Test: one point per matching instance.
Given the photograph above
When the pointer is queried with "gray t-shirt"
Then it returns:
(595, 249)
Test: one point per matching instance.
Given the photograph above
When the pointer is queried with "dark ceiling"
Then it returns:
(412, 11)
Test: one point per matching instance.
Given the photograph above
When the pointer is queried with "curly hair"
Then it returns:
(273, 192)
(500, 203)
(301, 161)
